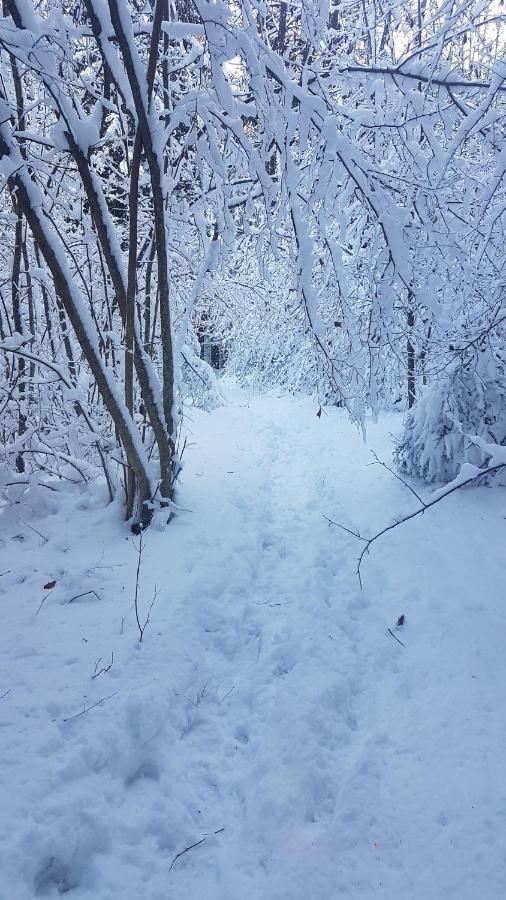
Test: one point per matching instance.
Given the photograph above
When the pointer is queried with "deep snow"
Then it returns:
(268, 709)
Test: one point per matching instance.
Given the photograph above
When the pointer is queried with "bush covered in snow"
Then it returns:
(468, 401)
(199, 385)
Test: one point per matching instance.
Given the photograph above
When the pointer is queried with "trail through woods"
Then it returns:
(269, 721)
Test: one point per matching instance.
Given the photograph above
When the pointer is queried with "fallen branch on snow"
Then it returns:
(423, 508)
(84, 594)
(98, 671)
(396, 638)
(142, 628)
(196, 844)
(88, 708)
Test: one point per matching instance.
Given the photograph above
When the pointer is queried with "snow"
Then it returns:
(268, 713)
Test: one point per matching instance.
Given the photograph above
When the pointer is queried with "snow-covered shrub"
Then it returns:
(468, 401)
(199, 385)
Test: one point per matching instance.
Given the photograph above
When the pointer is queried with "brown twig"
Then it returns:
(380, 462)
(85, 594)
(396, 638)
(43, 601)
(104, 668)
(196, 844)
(136, 596)
(343, 527)
(45, 539)
(88, 708)
(412, 515)
(39, 484)
(142, 628)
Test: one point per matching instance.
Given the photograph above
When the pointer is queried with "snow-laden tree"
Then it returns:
(387, 160)
(323, 185)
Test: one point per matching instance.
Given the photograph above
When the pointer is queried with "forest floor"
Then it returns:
(270, 739)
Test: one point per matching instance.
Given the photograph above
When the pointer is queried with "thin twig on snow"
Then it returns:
(196, 844)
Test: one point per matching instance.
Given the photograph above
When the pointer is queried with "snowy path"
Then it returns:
(268, 709)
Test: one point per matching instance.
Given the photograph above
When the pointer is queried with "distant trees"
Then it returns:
(396, 151)
(324, 184)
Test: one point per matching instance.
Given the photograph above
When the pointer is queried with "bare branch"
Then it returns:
(425, 506)
(88, 708)
(196, 844)
(104, 669)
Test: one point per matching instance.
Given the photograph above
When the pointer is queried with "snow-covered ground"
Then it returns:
(268, 713)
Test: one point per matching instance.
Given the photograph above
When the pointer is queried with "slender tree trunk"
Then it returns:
(410, 353)
(18, 325)
(45, 303)
(133, 210)
(148, 346)
(162, 421)
(155, 164)
(410, 316)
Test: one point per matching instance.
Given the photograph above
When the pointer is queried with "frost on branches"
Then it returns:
(315, 191)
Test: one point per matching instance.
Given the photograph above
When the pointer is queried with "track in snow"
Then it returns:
(268, 710)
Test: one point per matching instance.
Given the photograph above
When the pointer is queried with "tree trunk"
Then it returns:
(31, 206)
(18, 324)
(155, 164)
(410, 353)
